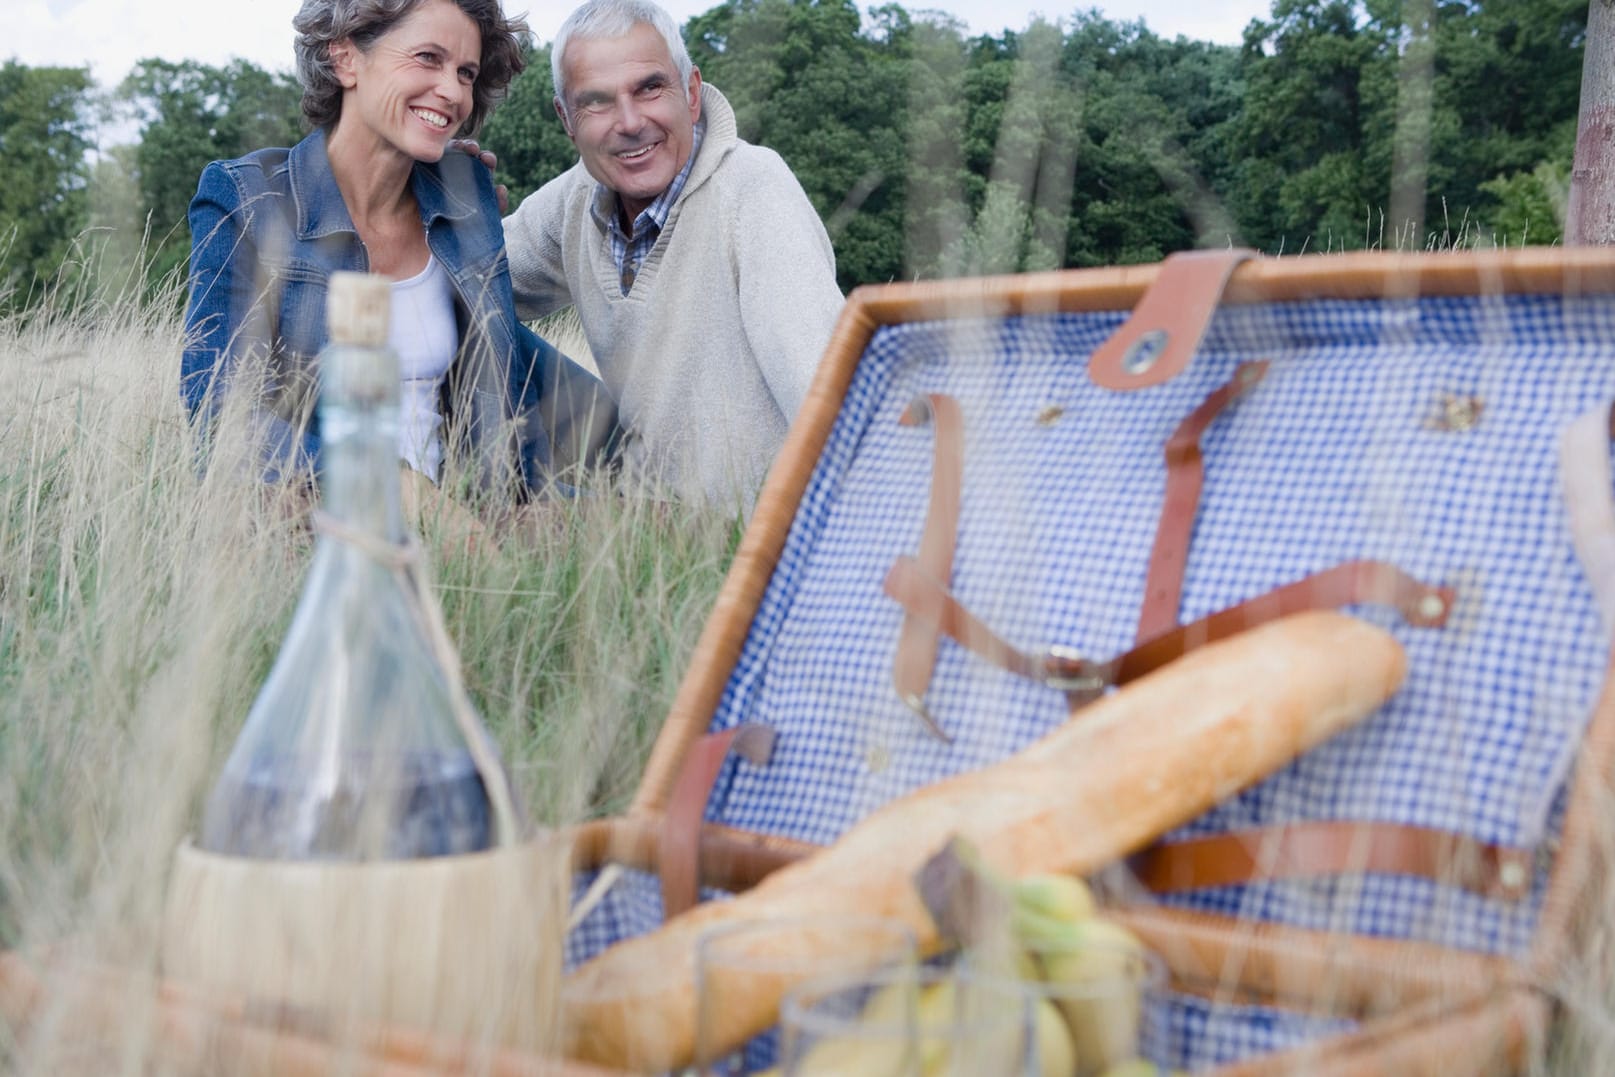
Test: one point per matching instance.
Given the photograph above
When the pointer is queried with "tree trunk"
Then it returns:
(1590, 220)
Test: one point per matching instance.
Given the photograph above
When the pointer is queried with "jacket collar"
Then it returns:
(321, 210)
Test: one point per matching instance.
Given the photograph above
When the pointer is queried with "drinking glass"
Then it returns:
(744, 969)
(930, 1021)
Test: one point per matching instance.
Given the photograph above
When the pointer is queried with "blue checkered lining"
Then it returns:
(1334, 456)
(1194, 1034)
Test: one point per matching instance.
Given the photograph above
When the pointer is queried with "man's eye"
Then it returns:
(651, 90)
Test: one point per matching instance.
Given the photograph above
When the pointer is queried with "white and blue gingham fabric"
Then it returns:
(1335, 456)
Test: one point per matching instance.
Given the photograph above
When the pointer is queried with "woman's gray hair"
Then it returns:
(322, 23)
(597, 19)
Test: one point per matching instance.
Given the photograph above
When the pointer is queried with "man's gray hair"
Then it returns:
(597, 19)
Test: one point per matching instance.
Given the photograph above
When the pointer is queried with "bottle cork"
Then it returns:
(357, 309)
(358, 369)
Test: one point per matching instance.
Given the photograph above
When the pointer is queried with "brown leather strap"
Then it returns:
(1156, 343)
(730, 859)
(1348, 584)
(1309, 850)
(917, 640)
(1185, 475)
(926, 599)
(678, 854)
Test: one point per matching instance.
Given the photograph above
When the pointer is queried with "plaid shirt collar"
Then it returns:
(629, 252)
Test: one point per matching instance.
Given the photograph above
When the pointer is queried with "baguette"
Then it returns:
(1123, 771)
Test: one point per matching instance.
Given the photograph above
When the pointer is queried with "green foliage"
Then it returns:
(1153, 162)
(1530, 205)
(1301, 134)
(1409, 106)
(44, 138)
(526, 133)
(1336, 124)
(805, 80)
(191, 114)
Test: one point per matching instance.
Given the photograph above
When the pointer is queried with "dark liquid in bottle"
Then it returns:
(418, 807)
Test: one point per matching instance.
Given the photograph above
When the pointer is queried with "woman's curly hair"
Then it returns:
(322, 23)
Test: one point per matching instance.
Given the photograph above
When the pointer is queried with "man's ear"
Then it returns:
(560, 110)
(693, 92)
(343, 56)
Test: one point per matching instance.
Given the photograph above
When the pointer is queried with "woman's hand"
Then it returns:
(432, 512)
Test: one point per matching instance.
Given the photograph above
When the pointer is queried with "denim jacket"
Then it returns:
(270, 228)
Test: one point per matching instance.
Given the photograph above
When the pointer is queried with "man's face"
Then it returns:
(627, 114)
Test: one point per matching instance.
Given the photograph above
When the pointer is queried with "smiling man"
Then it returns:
(703, 278)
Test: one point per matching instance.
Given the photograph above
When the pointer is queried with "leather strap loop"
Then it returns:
(1156, 343)
(1348, 584)
(1310, 850)
(917, 640)
(1585, 476)
(928, 602)
(678, 853)
(1185, 476)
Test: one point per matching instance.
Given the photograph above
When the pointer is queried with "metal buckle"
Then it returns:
(1068, 671)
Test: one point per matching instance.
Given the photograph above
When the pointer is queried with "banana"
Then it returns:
(1062, 897)
(1138, 1067)
(1044, 928)
(886, 1053)
(1076, 964)
(881, 1052)
(1056, 1054)
(932, 1014)
(856, 1056)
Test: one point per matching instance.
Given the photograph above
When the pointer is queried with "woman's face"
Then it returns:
(412, 90)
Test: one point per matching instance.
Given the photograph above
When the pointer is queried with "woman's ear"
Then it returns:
(343, 56)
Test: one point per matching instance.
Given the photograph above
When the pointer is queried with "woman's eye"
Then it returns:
(468, 75)
(426, 57)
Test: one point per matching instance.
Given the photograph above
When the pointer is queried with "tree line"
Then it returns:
(1336, 124)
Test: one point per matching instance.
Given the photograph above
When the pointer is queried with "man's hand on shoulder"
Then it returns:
(471, 148)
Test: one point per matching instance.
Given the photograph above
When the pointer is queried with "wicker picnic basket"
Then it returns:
(1380, 433)
(1377, 433)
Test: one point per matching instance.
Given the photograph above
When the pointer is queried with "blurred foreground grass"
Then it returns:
(141, 607)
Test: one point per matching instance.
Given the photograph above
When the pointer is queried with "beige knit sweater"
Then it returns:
(710, 354)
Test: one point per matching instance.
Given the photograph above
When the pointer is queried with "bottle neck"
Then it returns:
(359, 483)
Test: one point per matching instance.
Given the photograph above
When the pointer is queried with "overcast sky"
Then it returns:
(110, 35)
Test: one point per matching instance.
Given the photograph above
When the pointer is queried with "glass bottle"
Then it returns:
(360, 744)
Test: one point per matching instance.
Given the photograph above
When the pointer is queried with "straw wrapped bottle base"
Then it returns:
(467, 947)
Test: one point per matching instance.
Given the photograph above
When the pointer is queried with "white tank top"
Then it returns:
(424, 334)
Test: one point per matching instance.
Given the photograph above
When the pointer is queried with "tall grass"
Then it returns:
(142, 604)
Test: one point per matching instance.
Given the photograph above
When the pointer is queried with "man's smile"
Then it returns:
(637, 153)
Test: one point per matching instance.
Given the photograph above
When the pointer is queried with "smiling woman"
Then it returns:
(386, 84)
